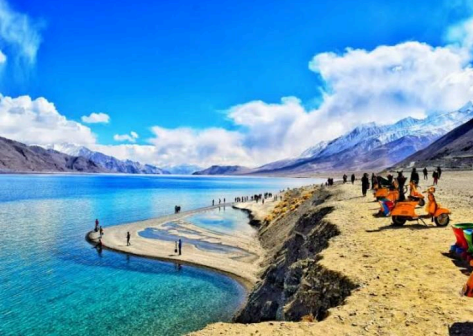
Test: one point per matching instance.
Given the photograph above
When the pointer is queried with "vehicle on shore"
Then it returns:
(404, 211)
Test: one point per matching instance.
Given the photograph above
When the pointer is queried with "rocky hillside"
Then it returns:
(16, 157)
(224, 170)
(453, 150)
(294, 285)
(107, 162)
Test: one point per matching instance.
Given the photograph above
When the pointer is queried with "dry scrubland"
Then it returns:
(405, 283)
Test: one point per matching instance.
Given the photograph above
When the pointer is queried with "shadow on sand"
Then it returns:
(460, 263)
(404, 227)
(461, 329)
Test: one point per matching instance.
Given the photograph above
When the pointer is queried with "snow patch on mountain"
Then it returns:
(106, 161)
(372, 135)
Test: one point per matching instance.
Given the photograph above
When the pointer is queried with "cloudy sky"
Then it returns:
(206, 82)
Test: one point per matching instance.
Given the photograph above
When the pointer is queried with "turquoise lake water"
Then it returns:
(53, 282)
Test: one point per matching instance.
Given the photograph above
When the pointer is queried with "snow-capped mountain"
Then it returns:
(108, 162)
(183, 169)
(372, 135)
(371, 146)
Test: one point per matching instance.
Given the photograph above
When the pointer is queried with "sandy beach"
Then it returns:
(406, 284)
(235, 254)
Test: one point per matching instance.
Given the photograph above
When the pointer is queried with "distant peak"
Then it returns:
(467, 107)
(407, 121)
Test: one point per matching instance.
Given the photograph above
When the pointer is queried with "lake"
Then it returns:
(54, 283)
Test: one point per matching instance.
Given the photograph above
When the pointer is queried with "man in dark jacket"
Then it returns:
(365, 184)
(415, 176)
(426, 174)
(352, 178)
(401, 180)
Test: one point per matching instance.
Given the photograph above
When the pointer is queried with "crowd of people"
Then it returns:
(367, 182)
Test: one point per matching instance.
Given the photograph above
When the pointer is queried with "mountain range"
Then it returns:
(453, 150)
(17, 157)
(224, 170)
(108, 162)
(367, 147)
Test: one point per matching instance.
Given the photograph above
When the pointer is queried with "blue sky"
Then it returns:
(175, 64)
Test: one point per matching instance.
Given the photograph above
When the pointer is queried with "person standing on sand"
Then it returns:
(426, 174)
(365, 184)
(401, 180)
(435, 176)
(373, 180)
(96, 225)
(345, 177)
(439, 170)
(128, 236)
(179, 246)
(352, 178)
(101, 232)
(213, 202)
(415, 176)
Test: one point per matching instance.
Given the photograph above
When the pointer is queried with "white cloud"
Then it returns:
(38, 122)
(96, 118)
(3, 57)
(383, 85)
(19, 34)
(126, 137)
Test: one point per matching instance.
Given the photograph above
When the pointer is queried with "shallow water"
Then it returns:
(54, 283)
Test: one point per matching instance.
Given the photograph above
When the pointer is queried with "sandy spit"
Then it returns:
(242, 262)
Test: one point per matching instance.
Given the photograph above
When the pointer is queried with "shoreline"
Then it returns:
(406, 282)
(242, 267)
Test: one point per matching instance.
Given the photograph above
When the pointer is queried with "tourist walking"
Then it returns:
(414, 176)
(365, 184)
(435, 176)
(401, 180)
(179, 246)
(128, 236)
(352, 178)
(426, 174)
